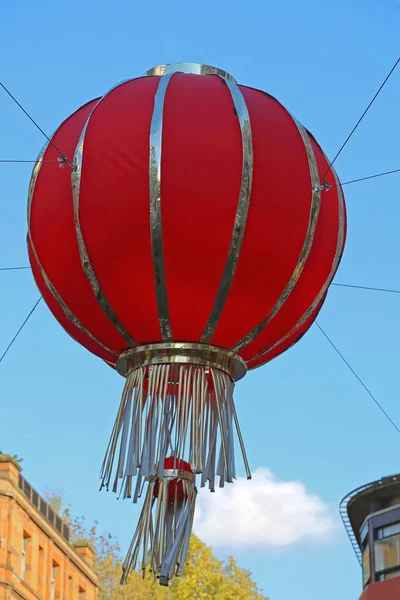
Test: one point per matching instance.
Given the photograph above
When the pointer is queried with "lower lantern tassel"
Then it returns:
(162, 535)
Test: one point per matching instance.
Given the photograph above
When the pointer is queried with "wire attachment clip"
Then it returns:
(64, 161)
(325, 186)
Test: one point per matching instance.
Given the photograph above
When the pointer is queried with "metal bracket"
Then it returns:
(325, 186)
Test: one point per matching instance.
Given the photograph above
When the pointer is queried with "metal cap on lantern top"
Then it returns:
(188, 68)
(181, 256)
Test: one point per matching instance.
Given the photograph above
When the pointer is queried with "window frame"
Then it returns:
(53, 581)
(380, 541)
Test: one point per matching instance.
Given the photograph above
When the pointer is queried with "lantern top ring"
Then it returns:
(189, 68)
(182, 353)
(178, 474)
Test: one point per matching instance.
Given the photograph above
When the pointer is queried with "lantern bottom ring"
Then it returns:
(182, 353)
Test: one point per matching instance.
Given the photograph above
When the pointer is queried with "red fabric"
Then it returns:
(59, 314)
(53, 232)
(200, 184)
(292, 339)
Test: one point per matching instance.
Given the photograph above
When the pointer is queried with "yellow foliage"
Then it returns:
(208, 578)
(205, 577)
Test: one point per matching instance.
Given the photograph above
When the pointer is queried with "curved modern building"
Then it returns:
(371, 515)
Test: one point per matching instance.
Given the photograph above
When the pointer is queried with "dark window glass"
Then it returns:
(364, 532)
(366, 567)
(387, 531)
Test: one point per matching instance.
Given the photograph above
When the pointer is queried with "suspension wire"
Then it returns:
(13, 268)
(362, 116)
(358, 377)
(64, 158)
(19, 330)
(342, 285)
(371, 177)
(366, 287)
(3, 160)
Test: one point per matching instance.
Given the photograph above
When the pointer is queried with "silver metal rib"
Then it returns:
(68, 313)
(241, 211)
(335, 264)
(83, 252)
(35, 172)
(308, 241)
(155, 208)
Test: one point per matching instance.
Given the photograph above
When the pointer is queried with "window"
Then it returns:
(387, 553)
(41, 573)
(70, 587)
(53, 585)
(25, 542)
(82, 593)
(55, 577)
(366, 565)
(388, 530)
(364, 532)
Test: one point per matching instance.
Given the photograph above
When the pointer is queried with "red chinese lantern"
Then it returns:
(162, 536)
(191, 235)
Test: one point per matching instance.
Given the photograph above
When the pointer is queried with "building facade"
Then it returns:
(37, 560)
(371, 515)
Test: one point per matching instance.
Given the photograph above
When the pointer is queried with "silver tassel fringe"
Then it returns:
(183, 410)
(162, 536)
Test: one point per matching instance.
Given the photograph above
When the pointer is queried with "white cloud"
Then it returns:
(262, 512)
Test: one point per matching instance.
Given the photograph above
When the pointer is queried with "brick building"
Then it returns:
(37, 561)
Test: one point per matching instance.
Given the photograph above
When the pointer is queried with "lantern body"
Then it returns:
(192, 235)
(94, 250)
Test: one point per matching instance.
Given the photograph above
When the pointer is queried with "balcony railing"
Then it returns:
(44, 508)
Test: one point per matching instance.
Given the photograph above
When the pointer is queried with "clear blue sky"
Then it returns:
(304, 416)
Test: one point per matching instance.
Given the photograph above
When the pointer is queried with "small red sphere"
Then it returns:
(175, 486)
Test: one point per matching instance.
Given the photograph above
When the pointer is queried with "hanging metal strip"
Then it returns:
(83, 253)
(155, 208)
(308, 241)
(68, 313)
(335, 264)
(241, 211)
